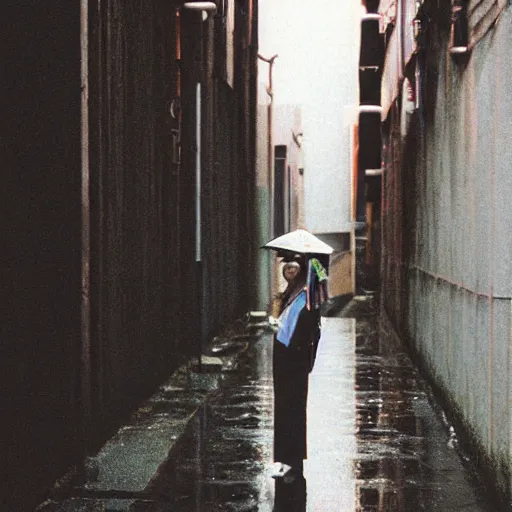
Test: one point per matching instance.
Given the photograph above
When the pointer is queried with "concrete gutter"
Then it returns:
(130, 461)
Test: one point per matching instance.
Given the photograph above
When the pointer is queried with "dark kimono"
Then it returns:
(291, 367)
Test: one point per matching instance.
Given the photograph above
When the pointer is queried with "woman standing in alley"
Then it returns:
(295, 344)
(294, 347)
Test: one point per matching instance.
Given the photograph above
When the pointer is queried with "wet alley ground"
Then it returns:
(376, 440)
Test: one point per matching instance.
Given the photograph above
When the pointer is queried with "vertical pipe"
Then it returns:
(288, 226)
(508, 393)
(492, 270)
(85, 354)
(270, 153)
(199, 277)
(251, 10)
(273, 267)
(400, 17)
(178, 56)
(270, 158)
(198, 172)
(355, 166)
(270, 161)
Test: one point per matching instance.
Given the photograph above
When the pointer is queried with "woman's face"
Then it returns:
(291, 270)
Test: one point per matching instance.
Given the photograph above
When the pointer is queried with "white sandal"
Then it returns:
(280, 470)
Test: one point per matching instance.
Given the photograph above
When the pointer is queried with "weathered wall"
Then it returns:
(141, 246)
(341, 274)
(100, 286)
(447, 248)
(229, 227)
(288, 132)
(40, 223)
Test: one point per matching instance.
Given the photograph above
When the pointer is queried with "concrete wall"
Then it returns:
(287, 132)
(286, 125)
(341, 273)
(327, 168)
(328, 116)
(41, 258)
(457, 256)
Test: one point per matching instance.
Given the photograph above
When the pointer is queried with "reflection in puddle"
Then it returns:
(389, 434)
(220, 463)
(374, 441)
(290, 497)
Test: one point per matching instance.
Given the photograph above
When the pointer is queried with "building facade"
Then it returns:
(128, 145)
(446, 252)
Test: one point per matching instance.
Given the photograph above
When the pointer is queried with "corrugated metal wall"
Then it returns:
(447, 247)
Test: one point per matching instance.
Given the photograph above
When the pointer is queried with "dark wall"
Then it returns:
(143, 307)
(40, 241)
(75, 363)
(371, 57)
(228, 163)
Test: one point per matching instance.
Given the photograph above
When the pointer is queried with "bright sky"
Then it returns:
(318, 47)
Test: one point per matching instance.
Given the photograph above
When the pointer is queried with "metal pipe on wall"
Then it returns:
(198, 226)
(85, 347)
(270, 154)
(198, 172)
(270, 160)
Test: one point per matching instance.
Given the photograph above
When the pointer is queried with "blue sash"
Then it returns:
(289, 317)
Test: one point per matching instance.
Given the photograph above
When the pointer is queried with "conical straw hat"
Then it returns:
(300, 241)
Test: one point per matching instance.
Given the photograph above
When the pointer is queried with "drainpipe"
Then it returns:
(85, 345)
(204, 10)
(270, 154)
(199, 263)
(270, 161)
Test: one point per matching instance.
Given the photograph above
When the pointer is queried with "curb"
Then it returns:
(127, 465)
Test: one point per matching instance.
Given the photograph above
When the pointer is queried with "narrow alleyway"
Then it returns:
(375, 441)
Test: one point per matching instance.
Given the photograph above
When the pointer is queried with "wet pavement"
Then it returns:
(376, 439)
